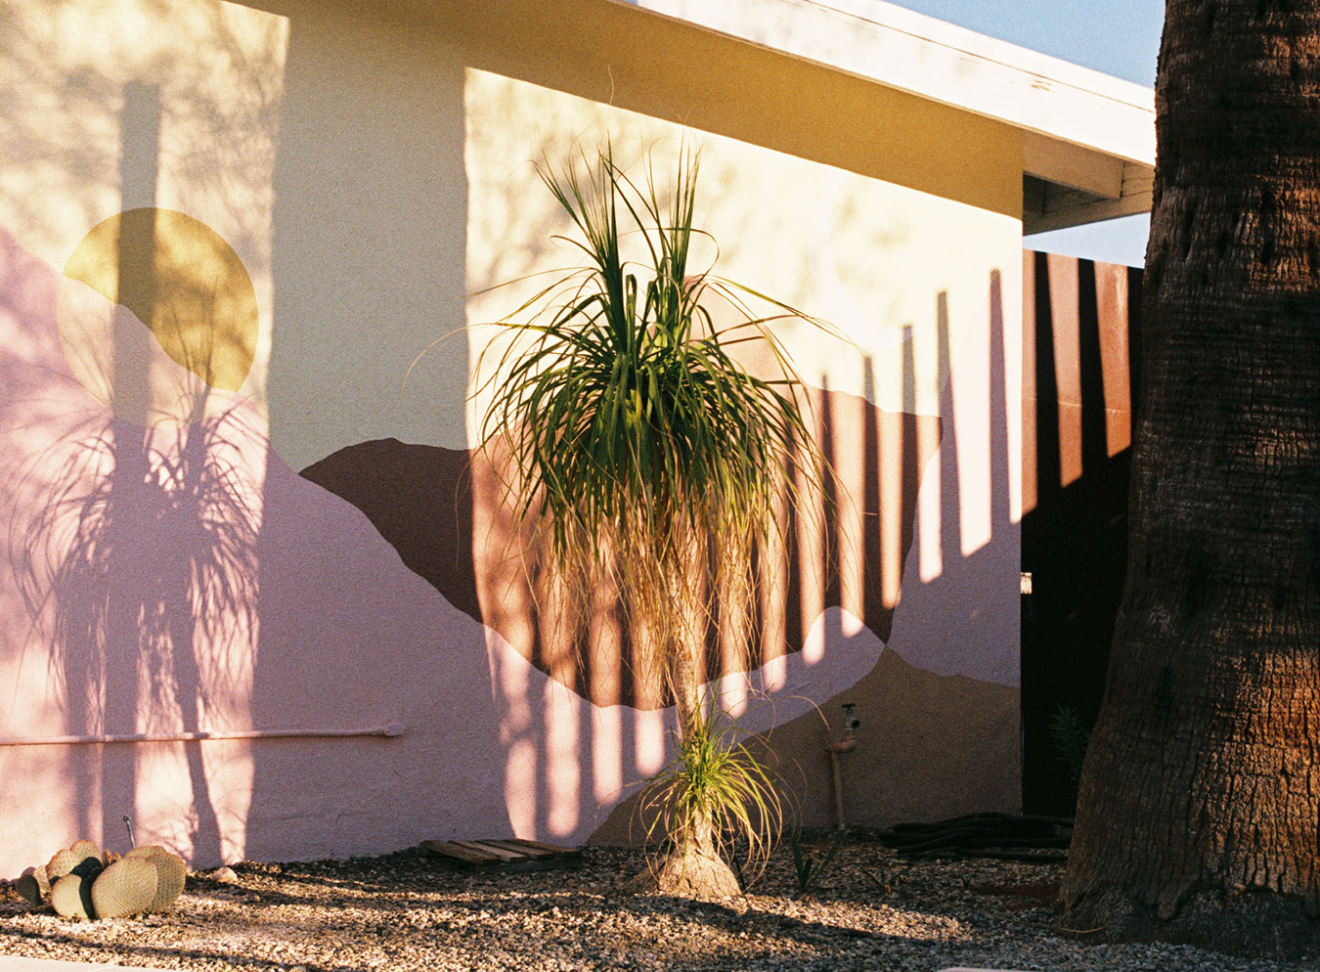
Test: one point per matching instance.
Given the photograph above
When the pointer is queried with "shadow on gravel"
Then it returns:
(119, 953)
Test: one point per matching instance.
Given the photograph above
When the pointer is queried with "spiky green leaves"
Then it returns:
(716, 787)
(655, 461)
(620, 401)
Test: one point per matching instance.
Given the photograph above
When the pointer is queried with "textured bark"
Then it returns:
(693, 868)
(1197, 814)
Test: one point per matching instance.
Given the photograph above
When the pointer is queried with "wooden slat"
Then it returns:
(458, 851)
(519, 848)
(569, 851)
(504, 854)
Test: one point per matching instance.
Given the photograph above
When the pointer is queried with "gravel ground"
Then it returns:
(870, 910)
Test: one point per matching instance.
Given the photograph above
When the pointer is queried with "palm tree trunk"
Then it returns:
(1199, 804)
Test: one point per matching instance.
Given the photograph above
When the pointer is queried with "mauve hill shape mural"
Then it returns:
(446, 513)
(182, 578)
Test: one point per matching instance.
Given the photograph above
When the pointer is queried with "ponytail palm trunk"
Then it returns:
(652, 460)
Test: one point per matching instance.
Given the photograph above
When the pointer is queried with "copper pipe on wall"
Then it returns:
(390, 731)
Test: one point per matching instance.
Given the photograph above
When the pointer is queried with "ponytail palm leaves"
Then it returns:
(648, 454)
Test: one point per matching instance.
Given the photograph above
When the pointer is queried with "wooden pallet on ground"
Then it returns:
(514, 854)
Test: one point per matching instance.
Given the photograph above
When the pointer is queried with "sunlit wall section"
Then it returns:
(916, 403)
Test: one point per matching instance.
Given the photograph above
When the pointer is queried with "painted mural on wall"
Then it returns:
(254, 599)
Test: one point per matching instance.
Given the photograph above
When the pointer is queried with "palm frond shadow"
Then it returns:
(140, 568)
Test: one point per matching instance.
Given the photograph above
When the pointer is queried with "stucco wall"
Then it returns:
(234, 433)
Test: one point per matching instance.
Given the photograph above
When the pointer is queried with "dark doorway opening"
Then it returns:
(1081, 342)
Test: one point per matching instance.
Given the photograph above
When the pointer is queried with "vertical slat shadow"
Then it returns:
(872, 524)
(1095, 446)
(792, 607)
(1039, 638)
(909, 466)
(1000, 507)
(1049, 459)
(1134, 290)
(950, 486)
(1074, 541)
(830, 567)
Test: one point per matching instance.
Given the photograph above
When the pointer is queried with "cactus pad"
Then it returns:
(27, 886)
(88, 868)
(171, 873)
(126, 887)
(85, 848)
(70, 897)
(61, 864)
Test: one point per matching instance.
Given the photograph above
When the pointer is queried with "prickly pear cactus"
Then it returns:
(126, 887)
(71, 898)
(88, 868)
(61, 864)
(87, 882)
(171, 873)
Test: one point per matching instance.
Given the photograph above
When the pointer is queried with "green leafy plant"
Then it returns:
(1070, 739)
(650, 458)
(719, 783)
(807, 866)
(884, 883)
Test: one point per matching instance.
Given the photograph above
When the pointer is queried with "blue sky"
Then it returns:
(1118, 37)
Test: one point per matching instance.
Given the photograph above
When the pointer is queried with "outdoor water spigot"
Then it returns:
(845, 744)
(850, 721)
(850, 726)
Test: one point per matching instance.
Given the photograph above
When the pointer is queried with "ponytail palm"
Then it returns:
(648, 454)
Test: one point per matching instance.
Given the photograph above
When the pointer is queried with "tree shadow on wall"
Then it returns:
(144, 554)
(140, 559)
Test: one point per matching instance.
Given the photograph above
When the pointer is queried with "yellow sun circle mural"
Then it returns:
(182, 281)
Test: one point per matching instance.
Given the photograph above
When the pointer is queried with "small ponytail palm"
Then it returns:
(652, 458)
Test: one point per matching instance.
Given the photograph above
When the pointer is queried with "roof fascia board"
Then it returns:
(1085, 213)
(623, 55)
(898, 48)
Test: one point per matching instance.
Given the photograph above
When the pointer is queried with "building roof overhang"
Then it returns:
(1088, 146)
(1087, 139)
